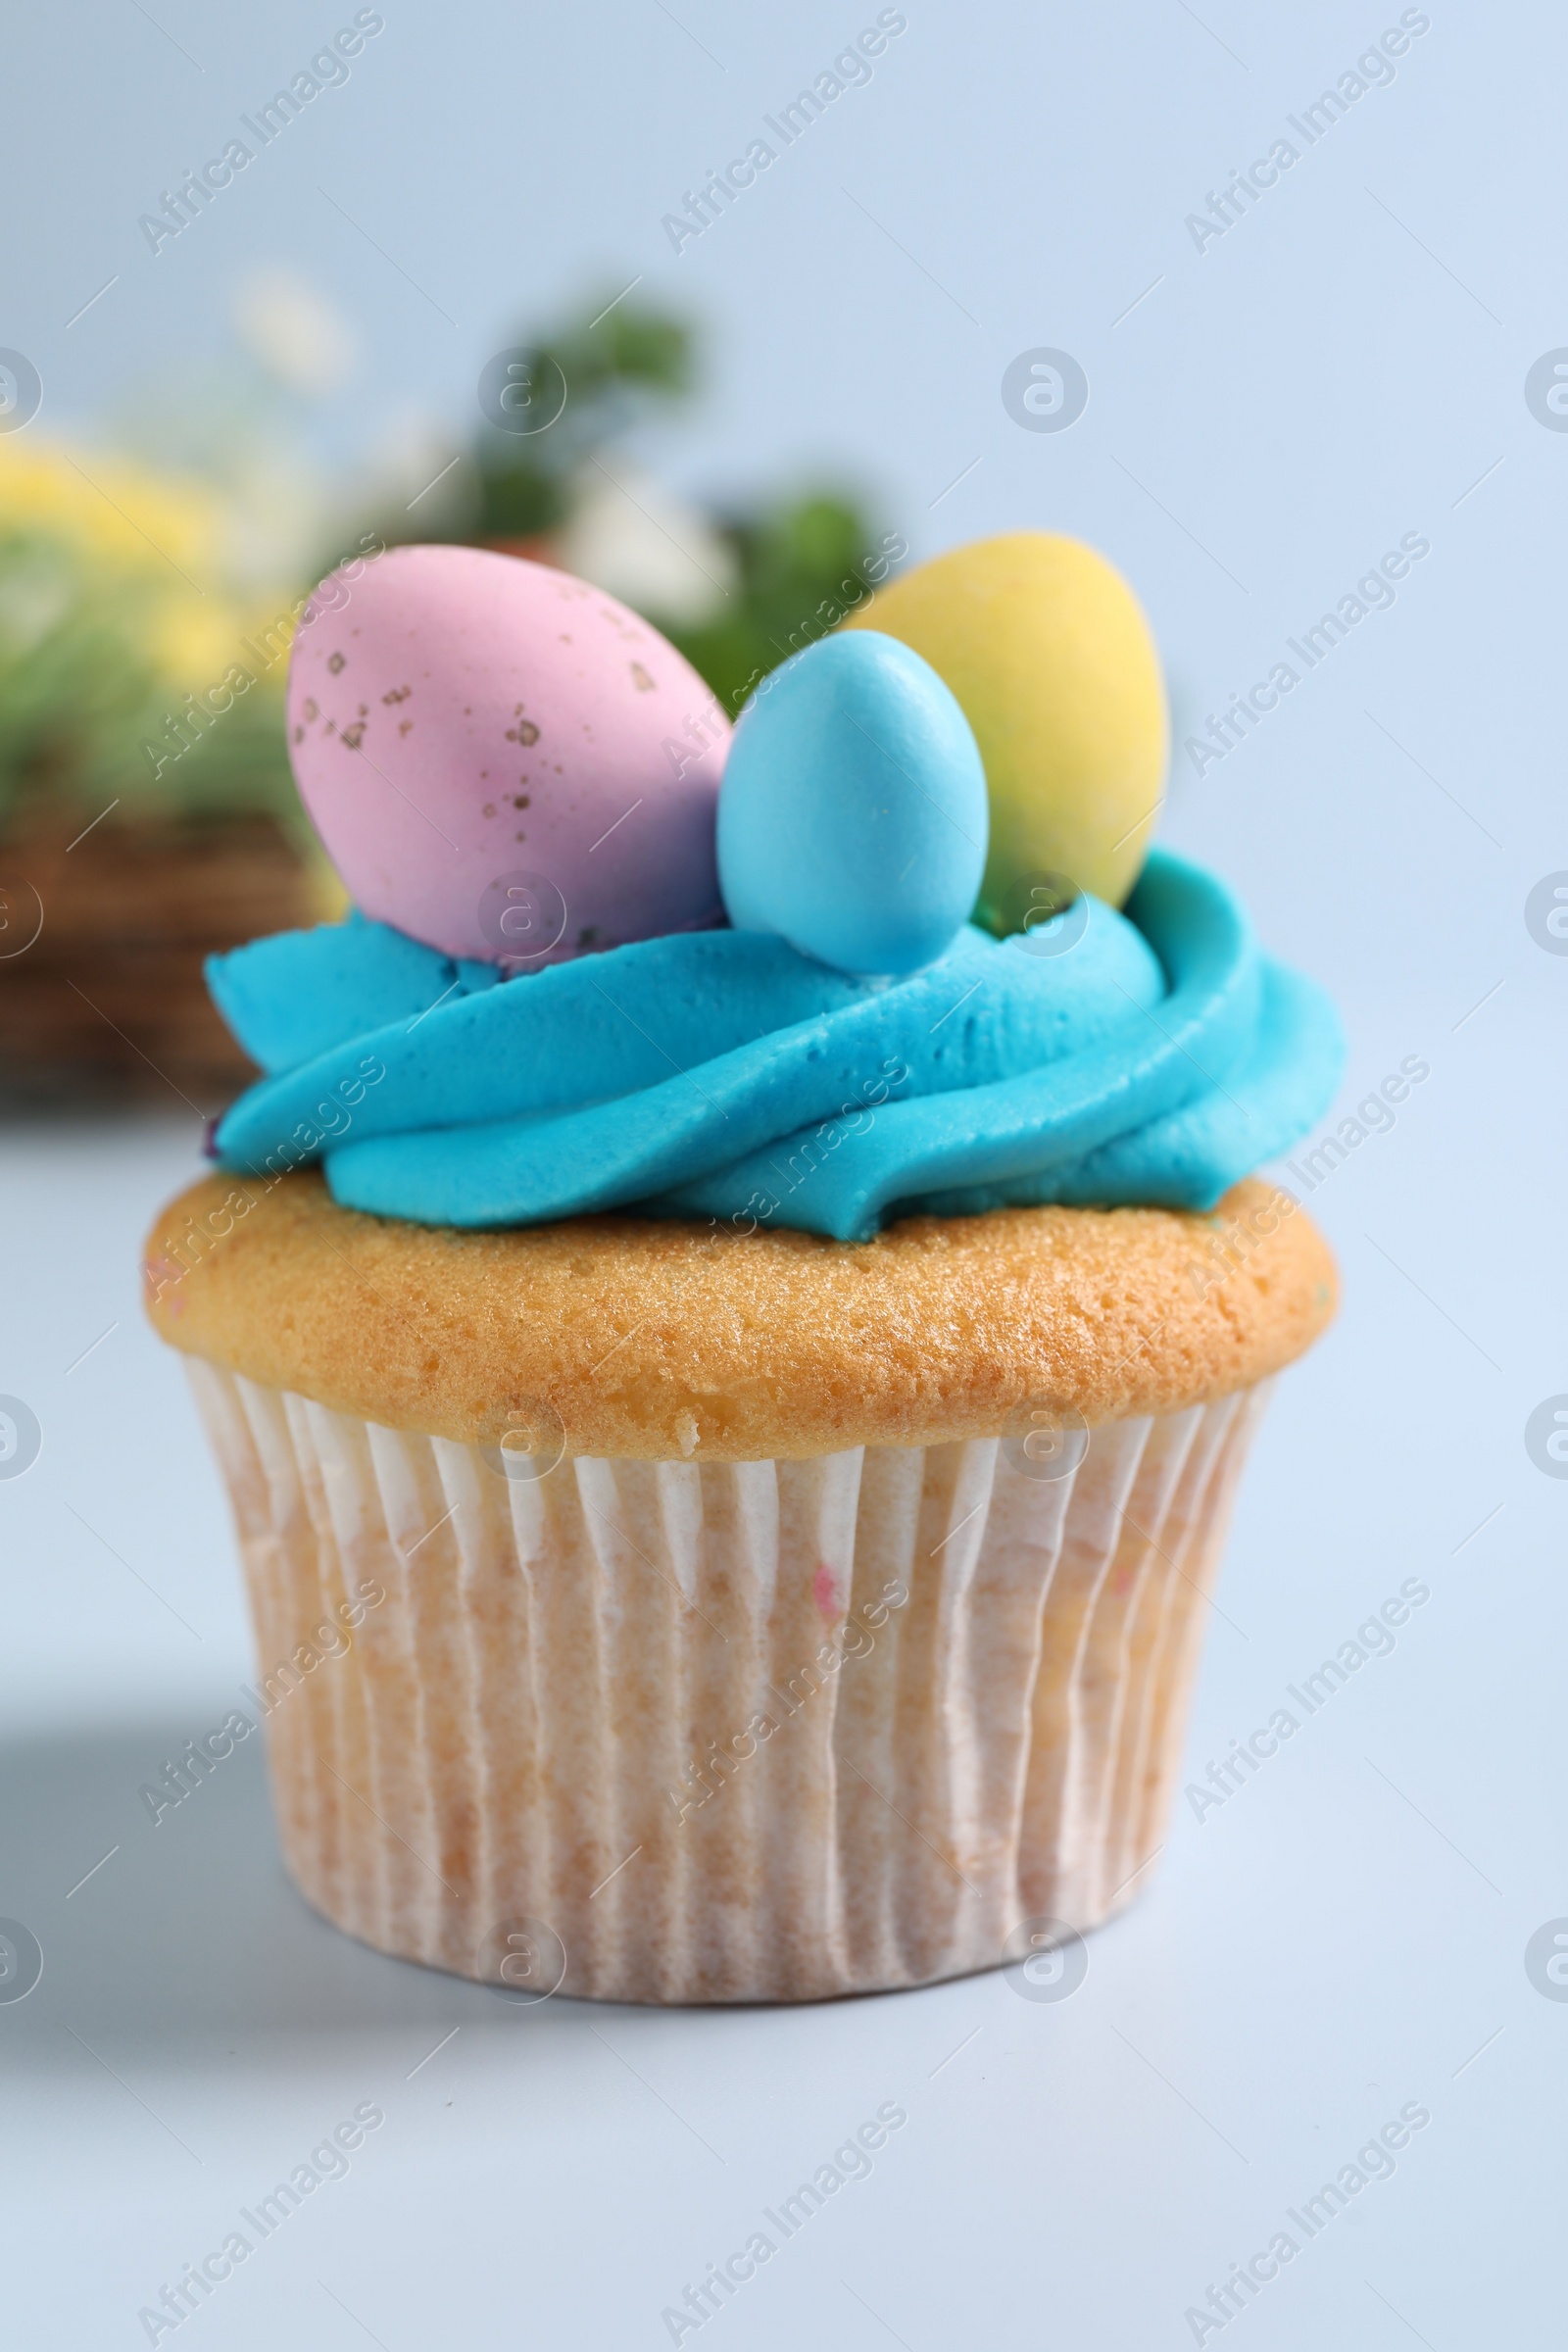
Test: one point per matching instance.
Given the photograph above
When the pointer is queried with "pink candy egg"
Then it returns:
(502, 761)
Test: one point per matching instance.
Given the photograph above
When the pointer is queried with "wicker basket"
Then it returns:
(104, 934)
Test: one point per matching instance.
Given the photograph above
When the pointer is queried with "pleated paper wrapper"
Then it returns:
(682, 1731)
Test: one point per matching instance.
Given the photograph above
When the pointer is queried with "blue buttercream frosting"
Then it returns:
(1156, 1057)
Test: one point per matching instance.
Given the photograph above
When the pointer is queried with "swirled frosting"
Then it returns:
(1156, 1057)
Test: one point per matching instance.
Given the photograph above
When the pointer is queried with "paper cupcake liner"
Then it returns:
(728, 1732)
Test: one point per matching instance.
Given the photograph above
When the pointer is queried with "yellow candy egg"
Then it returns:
(1048, 652)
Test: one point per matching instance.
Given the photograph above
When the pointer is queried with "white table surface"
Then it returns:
(1341, 1938)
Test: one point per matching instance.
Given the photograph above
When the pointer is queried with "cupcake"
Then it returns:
(731, 1374)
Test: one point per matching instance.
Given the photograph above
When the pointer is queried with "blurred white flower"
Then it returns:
(275, 502)
(294, 332)
(414, 468)
(638, 541)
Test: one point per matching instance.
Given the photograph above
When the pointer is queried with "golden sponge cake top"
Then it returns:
(671, 1341)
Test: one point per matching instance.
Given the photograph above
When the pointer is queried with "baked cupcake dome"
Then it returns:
(658, 1341)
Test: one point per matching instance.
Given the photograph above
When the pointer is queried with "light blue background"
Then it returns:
(1345, 366)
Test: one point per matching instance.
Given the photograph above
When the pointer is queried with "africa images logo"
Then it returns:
(1373, 70)
(328, 70)
(1373, 593)
(850, 70)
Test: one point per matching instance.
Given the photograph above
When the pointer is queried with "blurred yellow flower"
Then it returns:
(116, 600)
(118, 513)
(191, 644)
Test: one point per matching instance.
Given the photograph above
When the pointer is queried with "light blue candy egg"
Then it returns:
(853, 817)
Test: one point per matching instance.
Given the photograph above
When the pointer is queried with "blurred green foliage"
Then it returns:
(801, 562)
(804, 563)
(103, 642)
(617, 374)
